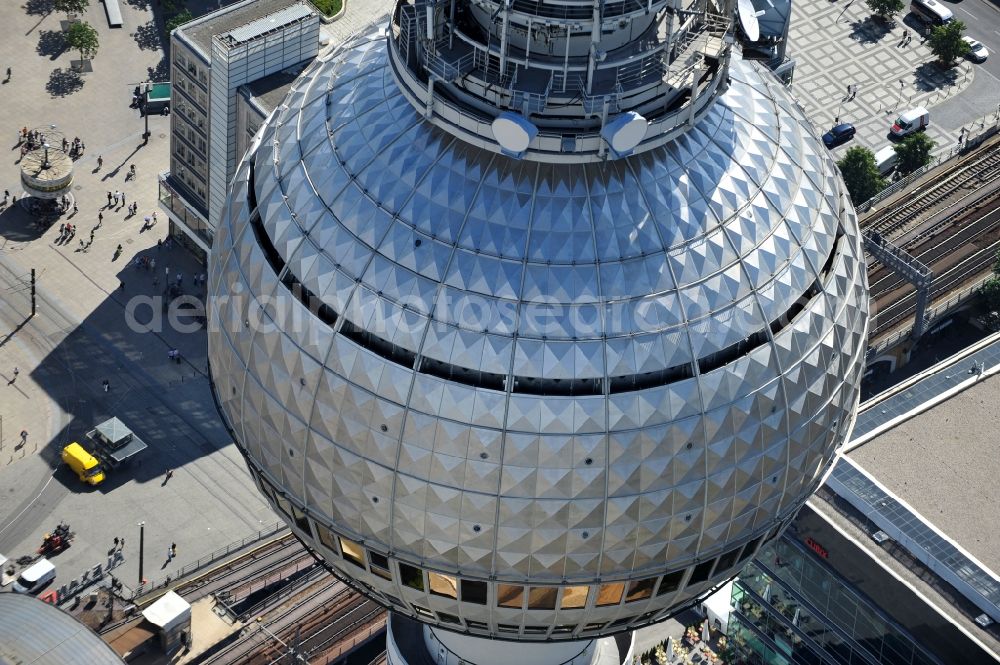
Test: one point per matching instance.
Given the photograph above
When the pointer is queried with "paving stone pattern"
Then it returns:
(837, 44)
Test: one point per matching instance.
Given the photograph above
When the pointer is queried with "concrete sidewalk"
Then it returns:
(83, 334)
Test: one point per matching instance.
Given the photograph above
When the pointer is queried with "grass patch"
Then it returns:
(328, 7)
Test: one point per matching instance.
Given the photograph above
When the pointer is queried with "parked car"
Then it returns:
(913, 120)
(885, 160)
(977, 52)
(840, 134)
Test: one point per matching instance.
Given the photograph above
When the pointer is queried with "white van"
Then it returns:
(911, 121)
(931, 12)
(885, 160)
(35, 577)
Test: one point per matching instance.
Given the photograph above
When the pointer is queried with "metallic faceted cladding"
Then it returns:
(703, 306)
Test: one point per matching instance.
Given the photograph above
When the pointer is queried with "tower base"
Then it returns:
(409, 642)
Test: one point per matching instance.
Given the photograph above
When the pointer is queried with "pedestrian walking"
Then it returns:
(123, 198)
(16, 372)
(116, 196)
(173, 549)
(121, 544)
(24, 436)
(180, 277)
(170, 554)
(109, 199)
(75, 208)
(159, 241)
(6, 195)
(107, 386)
(169, 475)
(131, 170)
(8, 73)
(100, 162)
(116, 542)
(100, 218)
(62, 229)
(152, 264)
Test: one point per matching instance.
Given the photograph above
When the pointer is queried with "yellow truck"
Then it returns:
(86, 466)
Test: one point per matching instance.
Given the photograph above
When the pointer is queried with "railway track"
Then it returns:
(955, 185)
(932, 251)
(325, 595)
(964, 271)
(243, 569)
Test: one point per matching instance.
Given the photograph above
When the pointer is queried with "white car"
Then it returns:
(977, 52)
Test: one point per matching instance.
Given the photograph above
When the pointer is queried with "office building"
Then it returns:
(212, 57)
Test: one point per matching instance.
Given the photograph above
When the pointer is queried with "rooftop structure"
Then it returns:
(524, 366)
(32, 631)
(921, 459)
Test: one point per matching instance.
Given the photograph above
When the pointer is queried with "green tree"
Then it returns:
(178, 20)
(914, 152)
(71, 6)
(947, 44)
(990, 291)
(885, 9)
(83, 37)
(861, 174)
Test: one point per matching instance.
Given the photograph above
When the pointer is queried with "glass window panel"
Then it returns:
(411, 577)
(353, 552)
(300, 519)
(379, 564)
(327, 538)
(670, 582)
(423, 611)
(509, 595)
(574, 597)
(443, 585)
(542, 597)
(701, 572)
(640, 590)
(610, 594)
(473, 592)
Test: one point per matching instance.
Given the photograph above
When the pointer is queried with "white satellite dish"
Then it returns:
(625, 132)
(748, 19)
(513, 132)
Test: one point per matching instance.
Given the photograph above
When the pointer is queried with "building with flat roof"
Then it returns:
(211, 58)
(893, 560)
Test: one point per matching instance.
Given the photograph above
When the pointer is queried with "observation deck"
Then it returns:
(570, 81)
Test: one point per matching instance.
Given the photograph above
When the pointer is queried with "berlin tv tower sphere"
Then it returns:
(537, 321)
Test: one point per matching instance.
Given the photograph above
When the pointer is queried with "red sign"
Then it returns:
(817, 548)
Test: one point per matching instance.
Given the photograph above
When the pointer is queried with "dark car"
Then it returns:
(840, 134)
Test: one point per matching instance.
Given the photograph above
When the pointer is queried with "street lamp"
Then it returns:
(142, 541)
(144, 111)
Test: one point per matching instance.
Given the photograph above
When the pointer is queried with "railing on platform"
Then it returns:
(201, 562)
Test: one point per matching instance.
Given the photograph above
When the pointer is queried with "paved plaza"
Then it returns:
(836, 44)
(81, 334)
